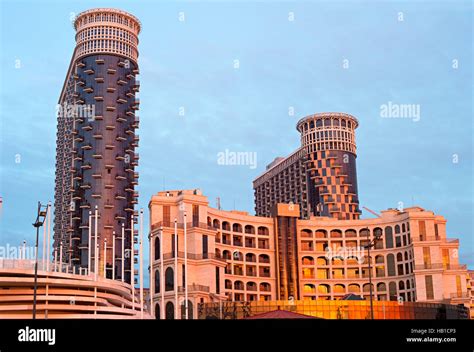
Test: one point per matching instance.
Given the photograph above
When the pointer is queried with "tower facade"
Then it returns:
(320, 176)
(96, 142)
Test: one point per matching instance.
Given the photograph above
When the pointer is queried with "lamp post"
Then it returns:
(40, 217)
(369, 245)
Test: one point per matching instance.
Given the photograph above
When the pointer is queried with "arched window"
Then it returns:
(336, 234)
(388, 237)
(378, 232)
(251, 286)
(350, 233)
(265, 287)
(169, 281)
(238, 285)
(157, 248)
(157, 281)
(354, 288)
(157, 311)
(249, 229)
(250, 257)
(308, 260)
(190, 310)
(263, 258)
(366, 287)
(401, 285)
(169, 310)
(309, 288)
(237, 228)
(263, 231)
(216, 224)
(381, 287)
(226, 254)
(323, 288)
(397, 229)
(408, 284)
(322, 261)
(392, 287)
(391, 264)
(399, 257)
(228, 284)
(306, 233)
(379, 259)
(225, 226)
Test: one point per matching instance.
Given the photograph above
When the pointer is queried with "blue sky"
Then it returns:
(284, 65)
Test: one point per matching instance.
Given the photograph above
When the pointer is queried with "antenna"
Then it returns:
(218, 203)
(371, 211)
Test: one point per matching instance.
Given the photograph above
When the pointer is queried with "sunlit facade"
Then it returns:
(236, 257)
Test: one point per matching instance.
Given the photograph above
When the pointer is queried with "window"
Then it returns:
(169, 310)
(388, 237)
(157, 281)
(218, 281)
(422, 230)
(436, 231)
(166, 215)
(183, 277)
(157, 248)
(429, 287)
(169, 280)
(195, 215)
(204, 247)
(391, 265)
(426, 257)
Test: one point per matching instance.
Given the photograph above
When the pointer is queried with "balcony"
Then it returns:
(98, 98)
(121, 100)
(130, 113)
(119, 157)
(120, 139)
(121, 119)
(120, 197)
(435, 266)
(86, 147)
(111, 89)
(87, 166)
(88, 90)
(121, 82)
(110, 108)
(136, 86)
(111, 71)
(99, 61)
(89, 71)
(121, 63)
(80, 64)
(120, 177)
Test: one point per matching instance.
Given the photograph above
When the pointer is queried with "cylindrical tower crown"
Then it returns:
(107, 31)
(329, 140)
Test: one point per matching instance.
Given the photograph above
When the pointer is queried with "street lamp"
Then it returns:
(40, 217)
(377, 236)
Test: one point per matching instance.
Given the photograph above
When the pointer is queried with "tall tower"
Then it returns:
(96, 141)
(329, 142)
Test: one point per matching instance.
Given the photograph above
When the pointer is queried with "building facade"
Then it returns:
(97, 143)
(320, 176)
(235, 257)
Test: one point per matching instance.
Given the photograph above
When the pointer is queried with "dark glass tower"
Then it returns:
(96, 142)
(320, 176)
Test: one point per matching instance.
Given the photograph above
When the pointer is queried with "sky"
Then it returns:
(237, 76)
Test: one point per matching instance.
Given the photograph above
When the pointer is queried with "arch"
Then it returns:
(251, 286)
(209, 221)
(323, 288)
(263, 258)
(169, 279)
(350, 233)
(228, 284)
(238, 256)
(321, 233)
(366, 288)
(335, 234)
(399, 257)
(249, 229)
(157, 281)
(169, 310)
(226, 254)
(353, 288)
(401, 285)
(157, 248)
(364, 232)
(250, 257)
(397, 229)
(157, 311)
(306, 233)
(379, 259)
(339, 288)
(388, 237)
(309, 288)
(218, 253)
(262, 230)
(307, 260)
(216, 224)
(238, 285)
(265, 286)
(381, 287)
(236, 227)
(225, 226)
(322, 261)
